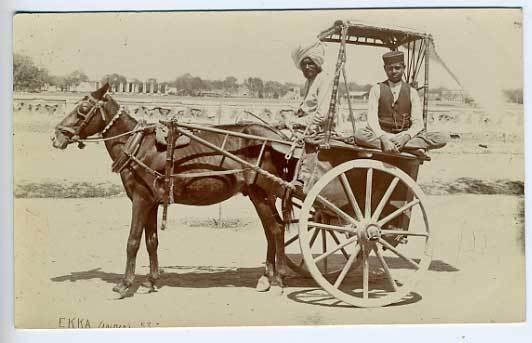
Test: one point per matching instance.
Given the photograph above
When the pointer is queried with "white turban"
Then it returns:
(316, 52)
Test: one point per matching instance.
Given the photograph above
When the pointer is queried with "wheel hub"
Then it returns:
(368, 231)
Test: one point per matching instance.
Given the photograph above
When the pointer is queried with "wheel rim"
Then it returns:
(377, 272)
(322, 240)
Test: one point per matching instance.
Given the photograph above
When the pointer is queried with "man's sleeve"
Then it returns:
(416, 114)
(373, 111)
(324, 92)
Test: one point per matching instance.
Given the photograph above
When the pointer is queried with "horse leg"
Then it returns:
(259, 200)
(140, 210)
(152, 242)
(281, 267)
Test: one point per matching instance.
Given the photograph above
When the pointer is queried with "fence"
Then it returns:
(461, 120)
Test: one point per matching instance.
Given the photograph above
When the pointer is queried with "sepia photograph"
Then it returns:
(268, 168)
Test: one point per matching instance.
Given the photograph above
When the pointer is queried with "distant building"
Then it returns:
(171, 90)
(358, 96)
(455, 96)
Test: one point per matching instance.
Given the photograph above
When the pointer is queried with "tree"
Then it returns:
(114, 80)
(26, 75)
(190, 85)
(230, 84)
(514, 95)
(274, 89)
(255, 86)
(75, 78)
(59, 82)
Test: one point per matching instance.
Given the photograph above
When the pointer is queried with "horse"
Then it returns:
(99, 113)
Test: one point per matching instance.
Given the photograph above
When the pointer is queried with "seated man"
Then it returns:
(395, 121)
(313, 111)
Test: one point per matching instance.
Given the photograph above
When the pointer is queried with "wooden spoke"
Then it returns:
(339, 247)
(324, 247)
(335, 209)
(398, 253)
(401, 232)
(385, 266)
(331, 227)
(347, 266)
(337, 241)
(398, 212)
(369, 181)
(351, 197)
(365, 273)
(291, 240)
(385, 199)
(314, 236)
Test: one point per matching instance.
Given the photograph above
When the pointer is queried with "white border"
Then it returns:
(368, 333)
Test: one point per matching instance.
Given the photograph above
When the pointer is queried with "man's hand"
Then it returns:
(400, 140)
(388, 145)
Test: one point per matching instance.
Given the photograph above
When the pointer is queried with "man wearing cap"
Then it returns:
(395, 120)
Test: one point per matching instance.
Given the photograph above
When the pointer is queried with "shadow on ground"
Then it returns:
(212, 276)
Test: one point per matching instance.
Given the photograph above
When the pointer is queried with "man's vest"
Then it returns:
(395, 116)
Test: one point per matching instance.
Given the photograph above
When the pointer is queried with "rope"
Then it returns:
(440, 61)
(95, 140)
(351, 116)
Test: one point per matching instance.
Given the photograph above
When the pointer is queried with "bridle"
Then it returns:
(84, 120)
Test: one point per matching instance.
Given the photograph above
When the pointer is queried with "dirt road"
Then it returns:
(69, 264)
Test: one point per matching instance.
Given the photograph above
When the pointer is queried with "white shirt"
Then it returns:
(416, 115)
(316, 101)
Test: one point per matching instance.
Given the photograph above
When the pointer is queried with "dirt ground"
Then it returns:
(70, 252)
(66, 266)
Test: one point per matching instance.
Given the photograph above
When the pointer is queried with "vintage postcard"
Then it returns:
(268, 168)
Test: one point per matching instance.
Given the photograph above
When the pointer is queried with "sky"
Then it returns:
(482, 46)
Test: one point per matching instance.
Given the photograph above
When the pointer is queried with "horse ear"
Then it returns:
(99, 93)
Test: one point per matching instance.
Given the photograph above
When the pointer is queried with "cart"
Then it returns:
(353, 226)
(357, 243)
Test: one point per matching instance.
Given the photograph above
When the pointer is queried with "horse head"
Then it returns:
(83, 121)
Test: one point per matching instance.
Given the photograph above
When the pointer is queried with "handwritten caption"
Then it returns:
(86, 323)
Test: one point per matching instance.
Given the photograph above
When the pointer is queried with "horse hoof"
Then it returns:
(117, 288)
(123, 292)
(263, 285)
(121, 289)
(150, 285)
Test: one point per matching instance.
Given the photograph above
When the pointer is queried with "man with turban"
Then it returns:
(313, 111)
(395, 120)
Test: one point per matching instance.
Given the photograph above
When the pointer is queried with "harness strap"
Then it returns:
(169, 168)
(209, 173)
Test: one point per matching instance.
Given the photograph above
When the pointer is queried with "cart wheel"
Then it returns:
(322, 240)
(377, 272)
